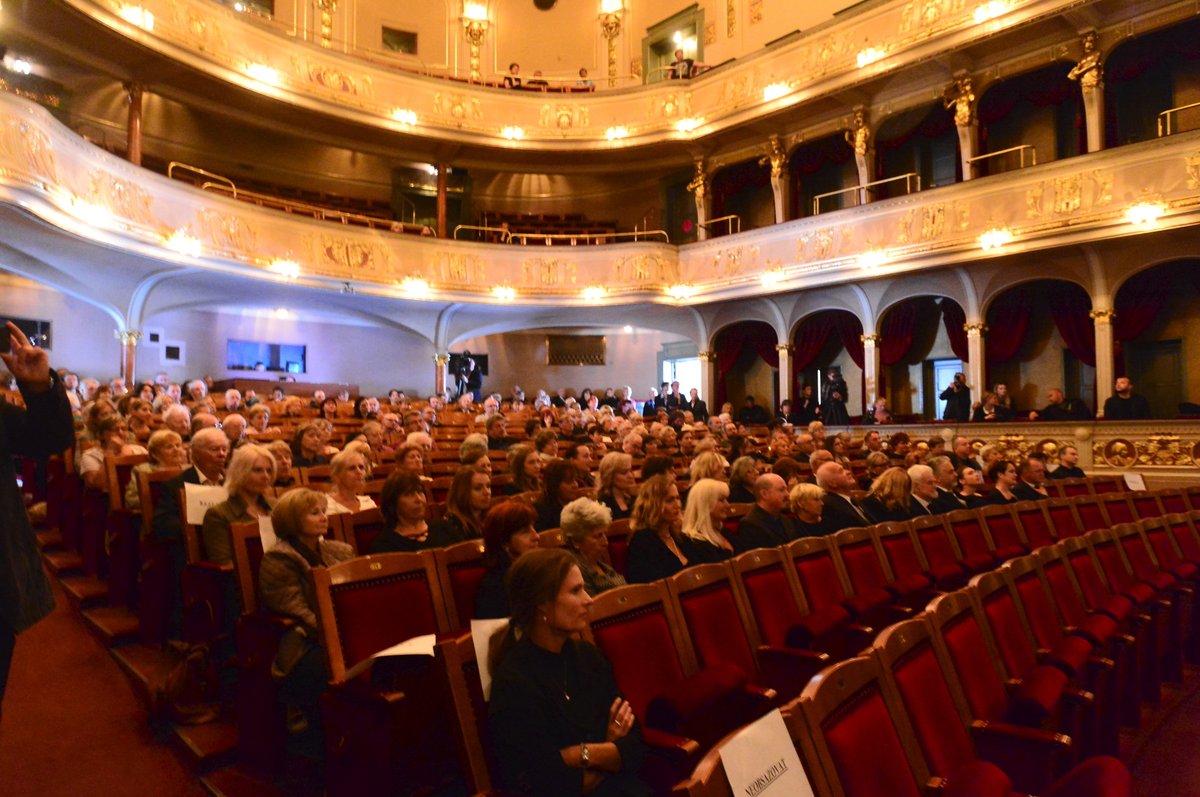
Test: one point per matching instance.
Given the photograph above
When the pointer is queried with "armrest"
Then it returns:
(210, 568)
(678, 750)
(760, 693)
(1033, 758)
(789, 669)
(360, 691)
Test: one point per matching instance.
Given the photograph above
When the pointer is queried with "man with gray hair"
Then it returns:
(421, 439)
(946, 479)
(840, 511)
(924, 490)
(178, 419)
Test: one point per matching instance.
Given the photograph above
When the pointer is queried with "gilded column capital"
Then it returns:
(1088, 70)
(960, 96)
(975, 330)
(785, 348)
(871, 340)
(440, 360)
(128, 337)
(1103, 316)
(707, 356)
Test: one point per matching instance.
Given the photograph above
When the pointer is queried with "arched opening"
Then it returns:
(922, 141)
(1149, 75)
(922, 345)
(825, 340)
(1041, 336)
(1042, 109)
(819, 167)
(1155, 332)
(747, 365)
(742, 190)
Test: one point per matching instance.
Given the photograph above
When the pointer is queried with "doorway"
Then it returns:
(1079, 380)
(938, 374)
(1156, 368)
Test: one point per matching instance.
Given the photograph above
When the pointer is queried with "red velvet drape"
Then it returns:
(1070, 306)
(850, 330)
(1008, 323)
(954, 319)
(897, 331)
(1141, 299)
(734, 180)
(733, 341)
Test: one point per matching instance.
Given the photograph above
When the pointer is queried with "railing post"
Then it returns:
(442, 169)
(133, 130)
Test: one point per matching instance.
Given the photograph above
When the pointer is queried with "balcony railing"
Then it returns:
(1020, 149)
(1165, 128)
(910, 179)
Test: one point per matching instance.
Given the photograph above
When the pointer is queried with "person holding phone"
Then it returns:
(44, 427)
(958, 400)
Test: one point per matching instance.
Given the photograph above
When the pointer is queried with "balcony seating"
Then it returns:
(1035, 523)
(358, 529)
(966, 527)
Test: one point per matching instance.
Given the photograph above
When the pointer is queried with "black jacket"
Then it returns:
(878, 513)
(1024, 492)
(958, 403)
(947, 502)
(1134, 408)
(1063, 472)
(838, 514)
(759, 530)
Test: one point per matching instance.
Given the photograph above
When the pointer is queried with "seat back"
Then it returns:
(120, 473)
(247, 558)
(770, 593)
(1093, 585)
(1064, 521)
(639, 634)
(314, 474)
(1091, 513)
(900, 550)
(1192, 496)
(971, 653)
(713, 616)
(1173, 501)
(371, 603)
(860, 749)
(1003, 529)
(1158, 535)
(1058, 575)
(862, 561)
(1112, 559)
(1137, 550)
(468, 709)
(1119, 507)
(925, 685)
(359, 529)
(1035, 523)
(150, 489)
(938, 546)
(460, 568)
(1184, 533)
(1023, 576)
(966, 526)
(819, 574)
(1073, 487)
(1006, 620)
(1146, 505)
(1107, 484)
(618, 544)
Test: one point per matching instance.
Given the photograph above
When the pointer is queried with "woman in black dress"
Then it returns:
(402, 503)
(890, 497)
(618, 487)
(657, 547)
(559, 725)
(507, 533)
(1003, 476)
(833, 400)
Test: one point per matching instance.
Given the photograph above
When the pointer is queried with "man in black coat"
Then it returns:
(45, 427)
(765, 526)
(840, 511)
(958, 400)
(1060, 408)
(1124, 404)
(1068, 465)
(751, 413)
(946, 479)
(1032, 473)
(699, 408)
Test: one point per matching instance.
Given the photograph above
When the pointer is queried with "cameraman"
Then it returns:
(958, 400)
(44, 428)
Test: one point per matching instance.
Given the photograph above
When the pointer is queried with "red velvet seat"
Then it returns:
(1147, 505)
(1173, 501)
(1159, 535)
(1004, 531)
(358, 529)
(940, 551)
(872, 587)
(831, 622)
(460, 569)
(618, 544)
(1035, 523)
(1091, 513)
(910, 572)
(468, 709)
(966, 526)
(1119, 507)
(1063, 519)
(1107, 484)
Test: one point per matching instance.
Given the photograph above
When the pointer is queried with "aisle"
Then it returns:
(72, 725)
(1167, 764)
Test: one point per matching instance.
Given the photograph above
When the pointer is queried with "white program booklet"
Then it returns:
(761, 761)
(200, 498)
(417, 646)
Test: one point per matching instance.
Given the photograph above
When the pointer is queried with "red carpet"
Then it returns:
(73, 725)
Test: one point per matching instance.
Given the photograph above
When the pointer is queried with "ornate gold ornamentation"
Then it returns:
(1102, 185)
(961, 97)
(1067, 194)
(124, 198)
(707, 356)
(350, 257)
(226, 232)
(1164, 450)
(205, 36)
(871, 340)
(858, 135)
(1034, 206)
(785, 348)
(1102, 316)
(1118, 453)
(564, 117)
(332, 78)
(775, 155)
(1049, 448)
(640, 269)
(756, 11)
(730, 18)
(635, 67)
(548, 272)
(458, 267)
(128, 337)
(672, 106)
(699, 184)
(933, 222)
(824, 239)
(1088, 71)
(728, 262)
(457, 106)
(440, 360)
(710, 33)
(904, 235)
(23, 141)
(975, 330)
(1192, 163)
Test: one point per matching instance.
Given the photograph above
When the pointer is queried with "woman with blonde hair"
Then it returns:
(657, 547)
(890, 497)
(707, 465)
(166, 450)
(618, 487)
(808, 504)
(707, 508)
(348, 475)
(250, 473)
(742, 475)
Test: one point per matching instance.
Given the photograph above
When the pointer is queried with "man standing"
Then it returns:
(958, 400)
(43, 428)
(1124, 404)
(1060, 408)
(1068, 465)
(840, 510)
(765, 526)
(699, 407)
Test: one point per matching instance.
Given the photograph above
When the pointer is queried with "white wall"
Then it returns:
(82, 335)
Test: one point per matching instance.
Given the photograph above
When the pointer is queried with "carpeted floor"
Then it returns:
(72, 725)
(1167, 763)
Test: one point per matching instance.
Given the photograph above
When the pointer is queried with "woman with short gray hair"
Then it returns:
(583, 524)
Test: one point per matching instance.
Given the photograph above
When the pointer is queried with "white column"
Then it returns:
(785, 371)
(967, 136)
(1104, 357)
(1093, 115)
(440, 361)
(708, 380)
(871, 368)
(975, 358)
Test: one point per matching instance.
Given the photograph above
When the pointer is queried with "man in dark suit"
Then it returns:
(765, 526)
(946, 479)
(962, 454)
(958, 400)
(1060, 408)
(1124, 404)
(840, 510)
(209, 449)
(924, 490)
(699, 408)
(1068, 465)
(1032, 475)
(42, 429)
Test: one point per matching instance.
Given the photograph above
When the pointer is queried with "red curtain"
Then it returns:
(734, 180)
(1044, 87)
(897, 331)
(733, 341)
(1070, 308)
(814, 156)
(1142, 298)
(1008, 323)
(954, 319)
(850, 330)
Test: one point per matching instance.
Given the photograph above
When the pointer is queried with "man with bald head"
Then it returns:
(765, 525)
(841, 510)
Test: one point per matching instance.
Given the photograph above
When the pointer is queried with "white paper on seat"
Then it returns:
(1135, 481)
(482, 632)
(761, 761)
(417, 646)
(200, 498)
(266, 532)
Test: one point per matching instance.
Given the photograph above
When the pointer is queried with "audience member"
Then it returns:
(765, 525)
(743, 473)
(971, 487)
(1124, 404)
(1003, 476)
(1032, 475)
(946, 478)
(618, 487)
(958, 400)
(877, 462)
(705, 514)
(808, 504)
(166, 450)
(1059, 408)
(507, 534)
(924, 490)
(584, 525)
(751, 413)
(962, 454)
(467, 505)
(833, 399)
(1068, 465)
(348, 480)
(990, 409)
(657, 548)
(525, 467)
(402, 503)
(250, 474)
(890, 497)
(559, 488)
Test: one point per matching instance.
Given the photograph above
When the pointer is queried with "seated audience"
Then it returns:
(467, 505)
(411, 459)
(743, 473)
(990, 409)
(559, 486)
(877, 462)
(971, 487)
(962, 453)
(1032, 485)
(890, 497)
(751, 413)
(924, 490)
(250, 473)
(348, 479)
(526, 468)
(285, 585)
(765, 525)
(1059, 408)
(308, 446)
(507, 533)
(1003, 476)
(473, 453)
(618, 487)
(789, 470)
(1068, 465)
(840, 510)
(141, 418)
(946, 479)
(166, 450)
(580, 455)
(707, 465)
(513, 79)
(403, 506)
(284, 477)
(113, 440)
(808, 502)
(546, 744)
(657, 548)
(704, 518)
(584, 524)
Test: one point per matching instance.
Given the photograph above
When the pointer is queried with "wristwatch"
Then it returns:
(583, 755)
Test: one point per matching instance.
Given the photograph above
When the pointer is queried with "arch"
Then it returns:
(142, 291)
(670, 322)
(33, 269)
(1005, 279)
(812, 302)
(1038, 107)
(760, 309)
(1140, 77)
(1150, 330)
(750, 340)
(942, 284)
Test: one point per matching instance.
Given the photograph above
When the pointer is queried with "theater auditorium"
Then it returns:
(608, 397)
